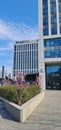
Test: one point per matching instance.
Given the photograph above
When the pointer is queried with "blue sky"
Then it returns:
(18, 21)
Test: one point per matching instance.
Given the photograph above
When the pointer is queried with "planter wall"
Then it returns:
(21, 113)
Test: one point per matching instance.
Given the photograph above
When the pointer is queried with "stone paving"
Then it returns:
(46, 117)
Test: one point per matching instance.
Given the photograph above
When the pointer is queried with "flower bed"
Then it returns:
(19, 95)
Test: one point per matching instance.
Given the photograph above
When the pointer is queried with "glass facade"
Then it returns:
(53, 17)
(25, 58)
(45, 17)
(50, 42)
(59, 3)
(53, 77)
(52, 48)
(51, 14)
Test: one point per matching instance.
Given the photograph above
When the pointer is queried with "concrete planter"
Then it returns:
(21, 113)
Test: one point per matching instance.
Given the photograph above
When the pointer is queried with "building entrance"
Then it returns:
(53, 77)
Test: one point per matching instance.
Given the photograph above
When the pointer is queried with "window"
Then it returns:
(45, 17)
(53, 17)
(52, 48)
(53, 76)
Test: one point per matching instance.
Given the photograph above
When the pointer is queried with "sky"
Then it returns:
(18, 21)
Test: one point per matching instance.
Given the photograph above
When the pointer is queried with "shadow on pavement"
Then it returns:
(4, 114)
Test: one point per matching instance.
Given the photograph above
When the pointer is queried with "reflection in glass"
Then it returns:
(53, 77)
(45, 18)
(52, 48)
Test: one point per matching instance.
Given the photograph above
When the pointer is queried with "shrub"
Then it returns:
(19, 95)
(19, 79)
(4, 91)
(9, 93)
(30, 92)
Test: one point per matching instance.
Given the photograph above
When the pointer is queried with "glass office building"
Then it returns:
(50, 43)
(25, 57)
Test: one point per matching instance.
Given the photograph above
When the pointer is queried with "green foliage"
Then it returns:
(19, 95)
(30, 92)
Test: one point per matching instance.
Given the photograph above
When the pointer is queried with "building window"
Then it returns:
(45, 18)
(59, 3)
(53, 76)
(52, 48)
(53, 17)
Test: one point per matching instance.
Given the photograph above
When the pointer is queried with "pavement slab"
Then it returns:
(47, 116)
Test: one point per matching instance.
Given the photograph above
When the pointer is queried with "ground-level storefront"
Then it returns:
(53, 77)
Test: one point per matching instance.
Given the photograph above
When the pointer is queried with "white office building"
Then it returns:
(25, 57)
(49, 19)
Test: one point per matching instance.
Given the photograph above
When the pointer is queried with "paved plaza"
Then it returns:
(46, 117)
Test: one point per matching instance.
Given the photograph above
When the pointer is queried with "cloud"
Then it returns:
(11, 32)
(7, 47)
(15, 32)
(8, 69)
